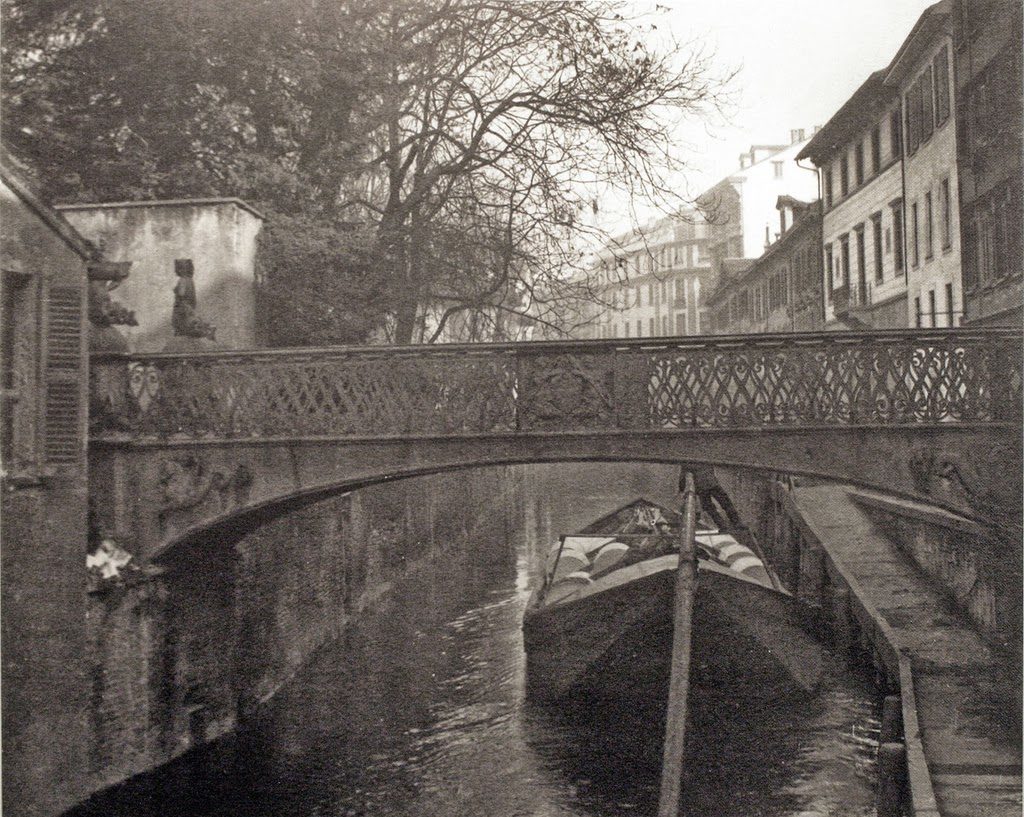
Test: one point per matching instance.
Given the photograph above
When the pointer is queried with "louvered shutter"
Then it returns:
(62, 427)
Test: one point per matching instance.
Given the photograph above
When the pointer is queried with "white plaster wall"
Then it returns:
(219, 237)
(760, 191)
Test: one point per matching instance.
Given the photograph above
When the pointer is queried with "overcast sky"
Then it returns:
(798, 61)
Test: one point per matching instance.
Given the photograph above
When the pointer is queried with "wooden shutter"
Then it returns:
(62, 427)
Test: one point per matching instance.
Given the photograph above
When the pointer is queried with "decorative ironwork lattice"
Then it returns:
(818, 380)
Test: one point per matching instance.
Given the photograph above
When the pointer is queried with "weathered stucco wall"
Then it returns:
(42, 515)
(219, 235)
(178, 657)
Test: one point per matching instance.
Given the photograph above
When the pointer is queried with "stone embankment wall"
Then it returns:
(978, 568)
(178, 657)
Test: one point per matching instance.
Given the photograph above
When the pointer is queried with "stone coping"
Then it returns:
(117, 205)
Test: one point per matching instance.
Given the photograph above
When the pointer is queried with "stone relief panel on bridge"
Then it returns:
(188, 482)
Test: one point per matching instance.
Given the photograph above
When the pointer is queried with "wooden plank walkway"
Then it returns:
(964, 712)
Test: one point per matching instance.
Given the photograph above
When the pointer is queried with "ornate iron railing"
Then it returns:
(714, 382)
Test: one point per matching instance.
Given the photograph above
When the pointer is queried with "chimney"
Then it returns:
(743, 161)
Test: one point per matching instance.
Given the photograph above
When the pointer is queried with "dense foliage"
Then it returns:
(420, 162)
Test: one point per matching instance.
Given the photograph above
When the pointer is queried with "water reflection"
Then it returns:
(420, 711)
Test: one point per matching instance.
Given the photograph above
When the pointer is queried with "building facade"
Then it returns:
(987, 56)
(217, 235)
(922, 74)
(43, 506)
(858, 153)
(782, 290)
(888, 167)
(653, 281)
(649, 282)
(740, 209)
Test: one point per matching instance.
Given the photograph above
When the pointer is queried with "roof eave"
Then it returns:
(53, 219)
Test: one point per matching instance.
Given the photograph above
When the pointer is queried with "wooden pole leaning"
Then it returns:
(679, 680)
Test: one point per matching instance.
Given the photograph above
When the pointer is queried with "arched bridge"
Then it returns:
(183, 443)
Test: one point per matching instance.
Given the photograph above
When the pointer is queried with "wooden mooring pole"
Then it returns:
(679, 680)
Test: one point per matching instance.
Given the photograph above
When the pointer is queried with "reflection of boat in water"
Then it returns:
(601, 623)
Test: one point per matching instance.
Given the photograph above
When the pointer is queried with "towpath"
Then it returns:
(964, 710)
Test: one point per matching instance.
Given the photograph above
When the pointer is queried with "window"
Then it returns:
(927, 105)
(844, 175)
(681, 323)
(914, 102)
(876, 237)
(639, 328)
(917, 312)
(983, 257)
(895, 133)
(950, 311)
(626, 326)
(650, 326)
(945, 214)
(650, 294)
(13, 292)
(862, 274)
(876, 149)
(915, 247)
(858, 163)
(897, 236)
(844, 260)
(829, 272)
(827, 184)
(931, 305)
(778, 167)
(928, 229)
(941, 69)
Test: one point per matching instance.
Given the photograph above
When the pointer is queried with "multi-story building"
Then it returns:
(740, 209)
(887, 164)
(649, 282)
(653, 281)
(922, 74)
(987, 56)
(858, 154)
(782, 290)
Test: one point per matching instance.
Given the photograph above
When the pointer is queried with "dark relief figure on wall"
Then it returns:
(104, 278)
(184, 319)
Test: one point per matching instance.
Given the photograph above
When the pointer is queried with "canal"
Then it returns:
(419, 709)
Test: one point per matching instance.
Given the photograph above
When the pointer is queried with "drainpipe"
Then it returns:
(821, 239)
(903, 195)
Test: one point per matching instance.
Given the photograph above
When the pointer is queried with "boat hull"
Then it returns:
(617, 643)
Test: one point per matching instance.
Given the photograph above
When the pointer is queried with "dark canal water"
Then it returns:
(420, 710)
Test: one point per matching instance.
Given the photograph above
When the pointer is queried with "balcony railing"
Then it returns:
(715, 382)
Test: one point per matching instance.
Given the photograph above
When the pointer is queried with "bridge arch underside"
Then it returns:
(155, 495)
